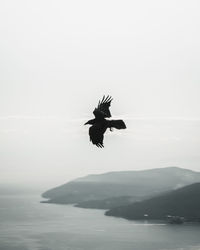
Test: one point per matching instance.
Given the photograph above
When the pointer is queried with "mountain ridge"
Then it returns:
(134, 183)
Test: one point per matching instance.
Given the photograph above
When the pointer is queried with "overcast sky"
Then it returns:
(58, 58)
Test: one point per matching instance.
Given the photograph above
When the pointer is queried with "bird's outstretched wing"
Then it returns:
(96, 135)
(103, 108)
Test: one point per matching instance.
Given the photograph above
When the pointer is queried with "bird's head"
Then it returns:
(90, 122)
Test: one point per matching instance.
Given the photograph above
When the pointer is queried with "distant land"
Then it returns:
(114, 189)
(183, 202)
(107, 203)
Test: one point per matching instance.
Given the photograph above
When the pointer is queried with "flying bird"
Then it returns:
(100, 124)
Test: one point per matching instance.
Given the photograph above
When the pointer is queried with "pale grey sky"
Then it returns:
(57, 60)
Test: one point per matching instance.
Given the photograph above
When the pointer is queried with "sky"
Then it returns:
(58, 58)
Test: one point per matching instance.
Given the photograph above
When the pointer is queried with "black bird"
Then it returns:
(100, 124)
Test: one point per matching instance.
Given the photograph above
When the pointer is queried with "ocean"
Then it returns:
(27, 224)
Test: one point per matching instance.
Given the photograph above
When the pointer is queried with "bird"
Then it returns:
(100, 123)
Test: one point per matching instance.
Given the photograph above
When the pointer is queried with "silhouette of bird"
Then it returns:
(100, 124)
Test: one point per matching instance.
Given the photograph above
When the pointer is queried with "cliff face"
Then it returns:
(136, 184)
(183, 202)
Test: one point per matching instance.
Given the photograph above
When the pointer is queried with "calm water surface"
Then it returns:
(26, 224)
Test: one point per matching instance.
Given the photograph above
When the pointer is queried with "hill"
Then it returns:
(182, 202)
(107, 203)
(140, 184)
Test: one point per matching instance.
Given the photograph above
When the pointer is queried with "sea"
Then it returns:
(27, 224)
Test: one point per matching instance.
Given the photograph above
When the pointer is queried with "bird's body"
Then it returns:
(100, 124)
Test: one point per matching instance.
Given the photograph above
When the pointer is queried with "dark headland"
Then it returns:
(183, 202)
(131, 194)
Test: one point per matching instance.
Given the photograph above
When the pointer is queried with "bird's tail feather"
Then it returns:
(118, 124)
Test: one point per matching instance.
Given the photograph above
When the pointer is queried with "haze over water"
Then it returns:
(26, 224)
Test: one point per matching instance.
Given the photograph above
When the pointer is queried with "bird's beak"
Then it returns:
(86, 123)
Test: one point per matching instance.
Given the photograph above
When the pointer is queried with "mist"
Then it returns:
(59, 58)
